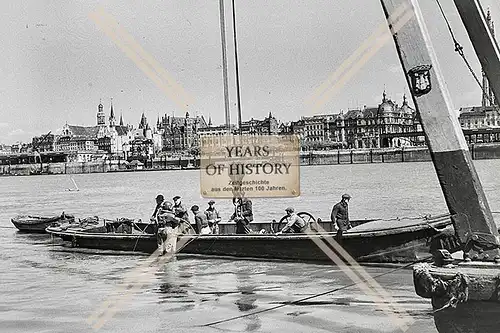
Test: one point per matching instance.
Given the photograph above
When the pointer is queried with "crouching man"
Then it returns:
(294, 223)
(167, 224)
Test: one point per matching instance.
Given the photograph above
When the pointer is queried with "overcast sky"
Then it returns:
(56, 63)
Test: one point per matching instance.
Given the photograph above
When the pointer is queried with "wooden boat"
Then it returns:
(38, 224)
(465, 293)
(387, 241)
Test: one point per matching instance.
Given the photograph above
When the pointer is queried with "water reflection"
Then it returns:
(173, 287)
(246, 300)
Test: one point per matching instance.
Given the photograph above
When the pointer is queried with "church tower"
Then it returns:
(488, 97)
(144, 122)
(112, 119)
(101, 118)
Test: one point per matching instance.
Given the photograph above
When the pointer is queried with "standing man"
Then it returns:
(166, 226)
(340, 216)
(160, 200)
(201, 221)
(213, 217)
(179, 210)
(242, 215)
(295, 224)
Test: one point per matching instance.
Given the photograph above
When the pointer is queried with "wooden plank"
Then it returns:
(457, 176)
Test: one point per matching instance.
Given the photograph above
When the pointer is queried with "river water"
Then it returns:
(47, 287)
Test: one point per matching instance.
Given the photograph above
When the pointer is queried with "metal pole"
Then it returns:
(237, 69)
(224, 64)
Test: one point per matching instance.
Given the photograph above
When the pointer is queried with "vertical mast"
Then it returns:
(237, 68)
(457, 176)
(224, 64)
(483, 40)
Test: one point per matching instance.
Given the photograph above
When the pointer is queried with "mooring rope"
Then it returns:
(314, 296)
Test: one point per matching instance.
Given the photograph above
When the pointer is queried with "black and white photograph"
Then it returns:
(250, 166)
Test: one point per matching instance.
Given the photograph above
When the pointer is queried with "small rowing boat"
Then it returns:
(38, 224)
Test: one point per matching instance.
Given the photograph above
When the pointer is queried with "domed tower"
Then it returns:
(385, 114)
(101, 118)
(387, 106)
(405, 108)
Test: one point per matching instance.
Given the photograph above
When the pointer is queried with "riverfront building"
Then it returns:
(180, 133)
(267, 126)
(83, 143)
(386, 125)
(376, 127)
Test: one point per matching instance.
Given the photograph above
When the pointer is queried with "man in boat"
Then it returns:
(242, 215)
(160, 200)
(179, 209)
(201, 221)
(340, 216)
(295, 224)
(213, 217)
(167, 228)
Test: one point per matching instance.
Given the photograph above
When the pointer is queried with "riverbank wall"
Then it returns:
(391, 155)
(332, 157)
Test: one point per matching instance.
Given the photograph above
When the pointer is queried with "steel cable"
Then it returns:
(314, 296)
(460, 51)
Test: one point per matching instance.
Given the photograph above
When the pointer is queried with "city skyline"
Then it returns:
(153, 121)
(58, 64)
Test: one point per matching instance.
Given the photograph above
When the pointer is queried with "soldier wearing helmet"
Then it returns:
(179, 209)
(160, 200)
(294, 223)
(166, 225)
(340, 216)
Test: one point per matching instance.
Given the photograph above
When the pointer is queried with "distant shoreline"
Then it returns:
(329, 157)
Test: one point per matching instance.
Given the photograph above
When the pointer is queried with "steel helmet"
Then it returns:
(168, 205)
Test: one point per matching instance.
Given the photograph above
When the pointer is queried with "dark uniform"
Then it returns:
(166, 218)
(243, 215)
(340, 216)
(181, 212)
(158, 207)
